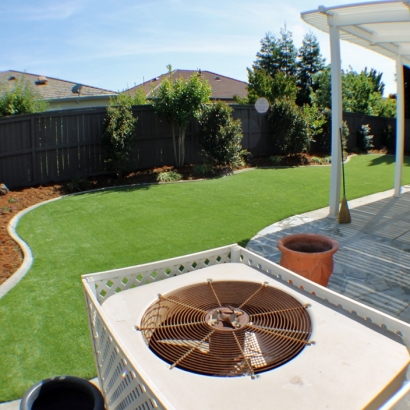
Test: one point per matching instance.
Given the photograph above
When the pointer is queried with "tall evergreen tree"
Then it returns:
(310, 62)
(288, 53)
(277, 54)
(268, 58)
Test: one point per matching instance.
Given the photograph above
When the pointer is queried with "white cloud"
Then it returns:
(48, 10)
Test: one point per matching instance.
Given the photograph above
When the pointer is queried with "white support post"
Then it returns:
(399, 126)
(336, 119)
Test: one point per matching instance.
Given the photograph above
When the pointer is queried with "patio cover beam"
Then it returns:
(399, 126)
(370, 18)
(380, 26)
(337, 117)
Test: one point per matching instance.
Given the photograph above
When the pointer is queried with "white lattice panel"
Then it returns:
(111, 282)
(121, 384)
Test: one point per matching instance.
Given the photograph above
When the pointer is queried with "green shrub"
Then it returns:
(119, 132)
(275, 160)
(204, 170)
(168, 176)
(323, 138)
(289, 127)
(78, 184)
(221, 135)
(388, 137)
(364, 138)
(317, 160)
(20, 98)
(317, 121)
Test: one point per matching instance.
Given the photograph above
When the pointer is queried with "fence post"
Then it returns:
(33, 151)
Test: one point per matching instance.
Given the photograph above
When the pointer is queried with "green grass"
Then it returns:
(44, 330)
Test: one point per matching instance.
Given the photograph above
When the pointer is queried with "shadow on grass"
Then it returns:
(273, 167)
(243, 242)
(384, 159)
(123, 188)
(388, 159)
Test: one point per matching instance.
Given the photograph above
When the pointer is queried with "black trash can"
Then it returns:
(63, 393)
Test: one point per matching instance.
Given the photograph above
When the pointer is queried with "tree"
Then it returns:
(268, 58)
(220, 135)
(316, 121)
(277, 55)
(361, 93)
(376, 79)
(288, 53)
(310, 62)
(357, 90)
(322, 94)
(261, 84)
(118, 135)
(178, 101)
(383, 107)
(138, 98)
(20, 99)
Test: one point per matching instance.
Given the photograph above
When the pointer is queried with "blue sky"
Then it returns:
(115, 44)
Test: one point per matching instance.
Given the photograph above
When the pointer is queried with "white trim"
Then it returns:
(390, 37)
(399, 126)
(371, 18)
(336, 120)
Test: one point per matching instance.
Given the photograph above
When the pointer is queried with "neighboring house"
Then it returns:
(223, 88)
(60, 94)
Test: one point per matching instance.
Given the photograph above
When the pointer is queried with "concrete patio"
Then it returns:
(372, 265)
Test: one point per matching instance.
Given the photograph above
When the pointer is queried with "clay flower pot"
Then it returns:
(309, 255)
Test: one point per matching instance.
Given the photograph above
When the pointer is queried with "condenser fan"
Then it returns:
(226, 328)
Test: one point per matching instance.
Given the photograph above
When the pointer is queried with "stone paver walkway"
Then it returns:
(372, 264)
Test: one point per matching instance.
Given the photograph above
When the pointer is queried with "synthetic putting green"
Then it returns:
(44, 330)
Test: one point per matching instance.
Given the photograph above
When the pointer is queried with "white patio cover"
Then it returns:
(383, 27)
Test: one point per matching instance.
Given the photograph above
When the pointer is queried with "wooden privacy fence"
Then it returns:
(60, 145)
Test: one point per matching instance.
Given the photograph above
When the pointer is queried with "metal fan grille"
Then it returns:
(226, 328)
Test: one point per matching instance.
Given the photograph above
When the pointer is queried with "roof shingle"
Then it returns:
(52, 88)
(223, 88)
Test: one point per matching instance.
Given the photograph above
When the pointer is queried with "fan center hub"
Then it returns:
(227, 318)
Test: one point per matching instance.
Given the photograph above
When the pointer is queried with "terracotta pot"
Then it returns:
(309, 255)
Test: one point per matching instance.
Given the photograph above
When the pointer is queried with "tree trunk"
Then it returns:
(183, 147)
(175, 144)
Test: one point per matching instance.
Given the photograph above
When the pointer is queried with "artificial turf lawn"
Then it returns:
(44, 330)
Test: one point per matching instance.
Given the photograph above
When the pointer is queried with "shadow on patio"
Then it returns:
(372, 265)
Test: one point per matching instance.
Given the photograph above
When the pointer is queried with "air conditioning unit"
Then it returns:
(228, 329)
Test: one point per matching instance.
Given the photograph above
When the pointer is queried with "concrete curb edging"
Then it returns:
(27, 255)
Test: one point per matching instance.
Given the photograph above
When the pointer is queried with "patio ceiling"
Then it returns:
(383, 27)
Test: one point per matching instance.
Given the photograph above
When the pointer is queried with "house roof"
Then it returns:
(223, 88)
(53, 88)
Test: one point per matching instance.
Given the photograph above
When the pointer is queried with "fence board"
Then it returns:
(57, 146)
